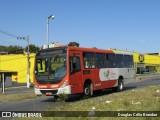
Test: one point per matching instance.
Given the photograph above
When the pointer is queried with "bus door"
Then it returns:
(76, 72)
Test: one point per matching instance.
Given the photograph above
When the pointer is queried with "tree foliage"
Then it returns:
(32, 48)
(12, 49)
(18, 49)
(15, 50)
(3, 48)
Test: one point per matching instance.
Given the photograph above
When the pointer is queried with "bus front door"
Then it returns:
(76, 72)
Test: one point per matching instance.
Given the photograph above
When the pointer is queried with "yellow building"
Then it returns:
(17, 66)
(147, 63)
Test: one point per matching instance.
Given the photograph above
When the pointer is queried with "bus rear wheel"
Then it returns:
(120, 86)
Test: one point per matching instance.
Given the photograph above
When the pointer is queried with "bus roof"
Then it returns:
(89, 49)
(82, 49)
(54, 48)
(123, 52)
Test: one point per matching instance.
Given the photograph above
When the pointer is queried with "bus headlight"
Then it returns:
(64, 84)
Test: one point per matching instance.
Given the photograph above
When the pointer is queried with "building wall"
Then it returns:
(18, 64)
(151, 62)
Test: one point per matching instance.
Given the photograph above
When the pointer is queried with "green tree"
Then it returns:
(32, 48)
(3, 49)
(15, 50)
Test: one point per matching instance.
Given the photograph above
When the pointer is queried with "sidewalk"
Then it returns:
(18, 89)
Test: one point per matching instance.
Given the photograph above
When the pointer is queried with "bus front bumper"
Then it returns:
(61, 90)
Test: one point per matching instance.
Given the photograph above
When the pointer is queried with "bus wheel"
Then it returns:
(88, 90)
(120, 86)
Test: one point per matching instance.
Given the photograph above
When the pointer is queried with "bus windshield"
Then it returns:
(50, 67)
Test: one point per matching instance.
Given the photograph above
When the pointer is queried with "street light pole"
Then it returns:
(49, 17)
(47, 32)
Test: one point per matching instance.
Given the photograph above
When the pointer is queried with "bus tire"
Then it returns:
(120, 86)
(88, 90)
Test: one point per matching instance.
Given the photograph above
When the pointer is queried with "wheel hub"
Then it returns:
(86, 91)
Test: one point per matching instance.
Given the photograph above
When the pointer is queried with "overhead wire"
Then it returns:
(11, 35)
(8, 34)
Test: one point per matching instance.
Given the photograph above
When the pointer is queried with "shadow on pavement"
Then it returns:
(74, 98)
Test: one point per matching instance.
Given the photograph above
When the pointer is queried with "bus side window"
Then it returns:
(88, 60)
(131, 61)
(119, 61)
(101, 60)
(86, 63)
(127, 60)
(110, 60)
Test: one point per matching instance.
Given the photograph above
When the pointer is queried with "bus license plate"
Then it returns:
(48, 93)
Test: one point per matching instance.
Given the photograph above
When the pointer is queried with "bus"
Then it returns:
(76, 70)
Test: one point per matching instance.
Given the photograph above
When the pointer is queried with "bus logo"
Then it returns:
(106, 73)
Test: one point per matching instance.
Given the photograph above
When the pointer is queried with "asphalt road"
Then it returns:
(45, 102)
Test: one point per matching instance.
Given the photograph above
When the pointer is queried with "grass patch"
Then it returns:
(61, 98)
(5, 98)
(143, 99)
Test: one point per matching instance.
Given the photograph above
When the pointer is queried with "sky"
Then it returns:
(122, 24)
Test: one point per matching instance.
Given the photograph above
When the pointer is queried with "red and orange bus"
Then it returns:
(74, 70)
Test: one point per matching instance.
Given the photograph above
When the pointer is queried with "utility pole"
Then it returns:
(28, 65)
(28, 59)
(3, 82)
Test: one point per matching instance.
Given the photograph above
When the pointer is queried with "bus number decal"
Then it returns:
(86, 71)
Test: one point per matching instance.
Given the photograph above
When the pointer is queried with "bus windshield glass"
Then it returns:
(50, 67)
